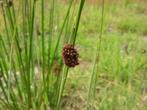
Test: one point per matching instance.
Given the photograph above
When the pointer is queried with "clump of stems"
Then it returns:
(26, 58)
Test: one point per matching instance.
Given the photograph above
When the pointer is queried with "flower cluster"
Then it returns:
(70, 55)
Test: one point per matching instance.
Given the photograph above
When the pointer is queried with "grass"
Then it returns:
(31, 69)
(122, 63)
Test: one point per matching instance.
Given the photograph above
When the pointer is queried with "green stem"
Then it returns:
(64, 76)
(95, 72)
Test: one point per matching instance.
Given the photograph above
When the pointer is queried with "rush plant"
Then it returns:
(32, 73)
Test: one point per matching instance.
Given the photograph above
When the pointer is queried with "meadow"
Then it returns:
(110, 38)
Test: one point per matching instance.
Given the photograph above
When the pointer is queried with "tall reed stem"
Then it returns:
(66, 69)
(95, 72)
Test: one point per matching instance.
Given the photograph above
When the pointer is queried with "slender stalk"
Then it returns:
(75, 29)
(62, 28)
(66, 69)
(58, 41)
(62, 86)
(30, 57)
(95, 72)
(43, 39)
(51, 26)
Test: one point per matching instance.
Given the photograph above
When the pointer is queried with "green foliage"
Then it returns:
(112, 70)
(30, 56)
(133, 24)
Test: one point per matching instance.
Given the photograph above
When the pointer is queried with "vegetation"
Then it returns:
(111, 40)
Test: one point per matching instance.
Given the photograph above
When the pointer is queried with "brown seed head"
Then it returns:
(70, 55)
(9, 3)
